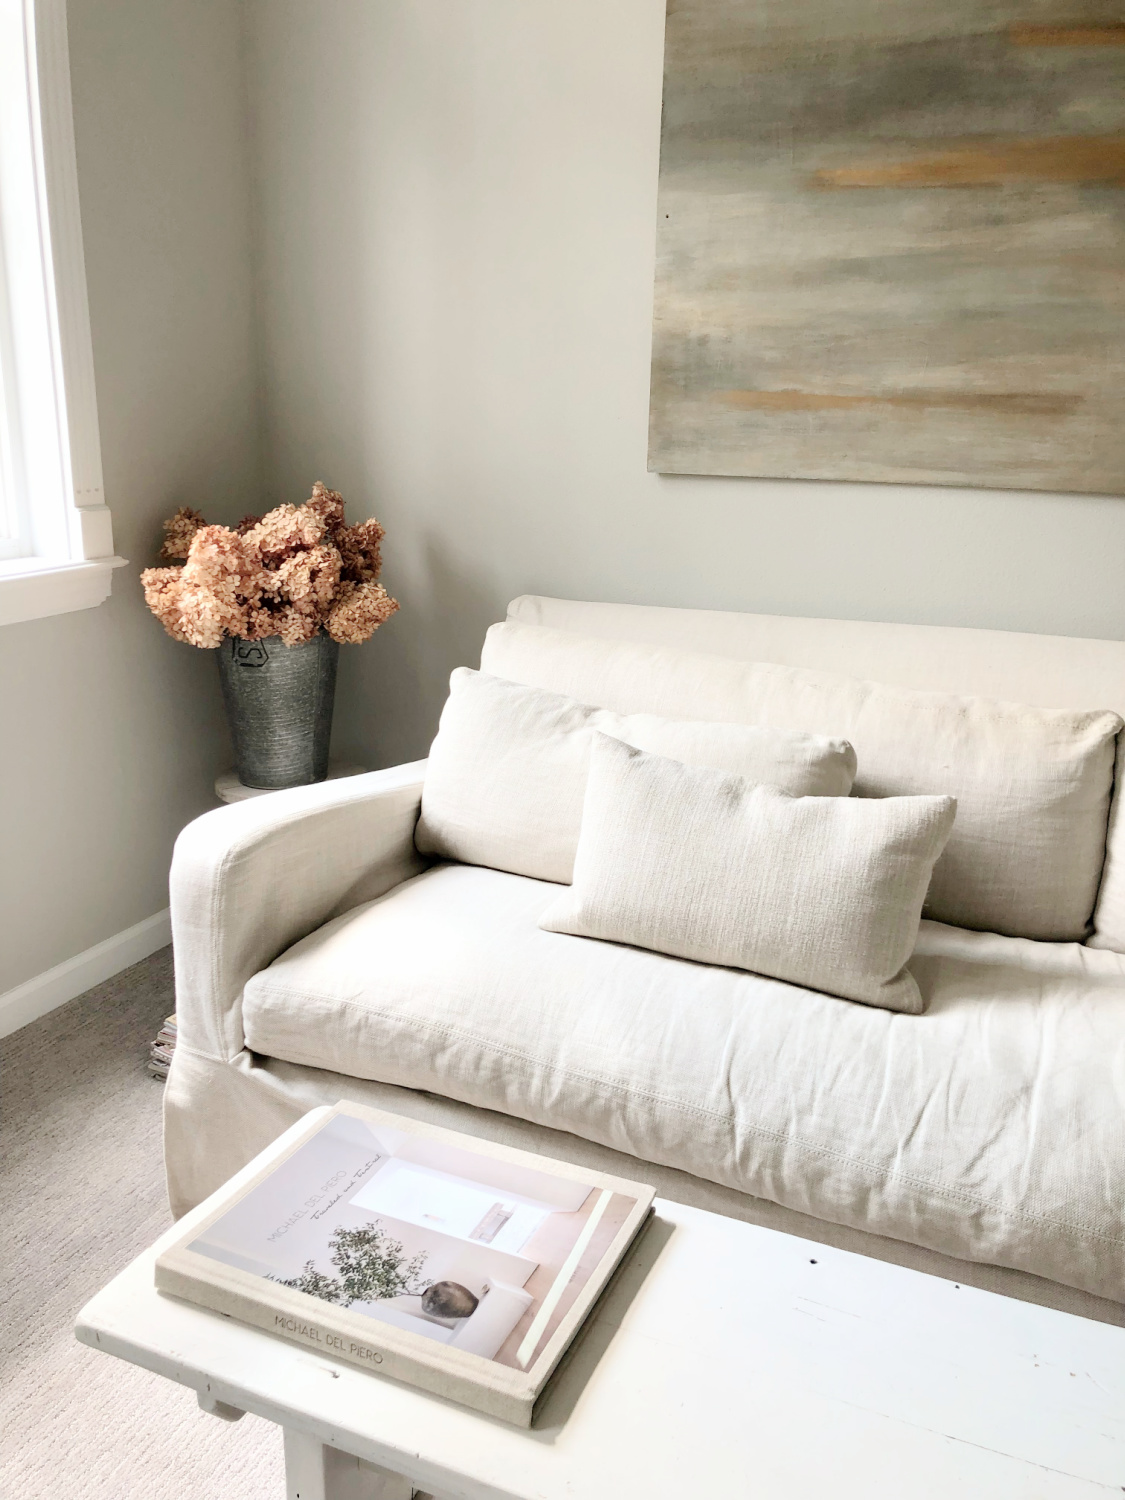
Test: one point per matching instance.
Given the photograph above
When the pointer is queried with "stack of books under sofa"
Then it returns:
(160, 1054)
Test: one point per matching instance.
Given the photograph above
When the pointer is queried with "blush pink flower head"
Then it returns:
(178, 532)
(293, 572)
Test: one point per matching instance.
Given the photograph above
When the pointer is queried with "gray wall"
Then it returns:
(113, 731)
(457, 204)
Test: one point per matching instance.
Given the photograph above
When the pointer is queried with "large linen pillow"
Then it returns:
(1109, 914)
(507, 772)
(1032, 785)
(824, 892)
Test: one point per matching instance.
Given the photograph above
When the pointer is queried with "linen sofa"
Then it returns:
(320, 956)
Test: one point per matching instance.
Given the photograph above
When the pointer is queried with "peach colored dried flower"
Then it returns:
(359, 547)
(178, 533)
(327, 503)
(208, 597)
(283, 531)
(359, 612)
(309, 579)
(292, 572)
(294, 624)
(162, 594)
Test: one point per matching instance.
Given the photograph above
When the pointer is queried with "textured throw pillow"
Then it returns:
(824, 892)
(1032, 784)
(507, 771)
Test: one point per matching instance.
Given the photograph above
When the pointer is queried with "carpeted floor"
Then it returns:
(81, 1193)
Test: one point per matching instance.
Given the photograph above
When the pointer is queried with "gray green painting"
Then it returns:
(891, 242)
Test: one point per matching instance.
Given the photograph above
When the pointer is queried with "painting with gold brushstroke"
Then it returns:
(891, 242)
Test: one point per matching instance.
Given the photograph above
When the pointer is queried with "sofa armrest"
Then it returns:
(250, 880)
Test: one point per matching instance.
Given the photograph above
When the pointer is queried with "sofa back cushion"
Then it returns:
(1109, 914)
(1032, 785)
(824, 892)
(507, 772)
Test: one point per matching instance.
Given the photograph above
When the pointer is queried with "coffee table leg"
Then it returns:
(316, 1472)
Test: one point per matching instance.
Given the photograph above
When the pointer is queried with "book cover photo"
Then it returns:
(487, 1255)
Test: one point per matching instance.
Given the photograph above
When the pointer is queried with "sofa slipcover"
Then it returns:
(250, 881)
(991, 1128)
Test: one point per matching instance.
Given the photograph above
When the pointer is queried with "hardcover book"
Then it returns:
(457, 1265)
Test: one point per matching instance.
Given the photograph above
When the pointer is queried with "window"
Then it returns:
(56, 542)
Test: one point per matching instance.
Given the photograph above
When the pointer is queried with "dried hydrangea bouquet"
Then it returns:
(275, 596)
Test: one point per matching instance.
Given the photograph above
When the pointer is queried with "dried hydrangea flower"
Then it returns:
(295, 625)
(162, 595)
(360, 550)
(310, 577)
(292, 572)
(178, 533)
(217, 584)
(359, 612)
(285, 530)
(329, 505)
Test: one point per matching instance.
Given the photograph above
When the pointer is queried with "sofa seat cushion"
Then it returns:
(990, 1128)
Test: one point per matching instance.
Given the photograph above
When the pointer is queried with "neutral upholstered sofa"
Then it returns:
(319, 956)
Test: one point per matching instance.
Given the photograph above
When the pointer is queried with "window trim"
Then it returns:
(72, 532)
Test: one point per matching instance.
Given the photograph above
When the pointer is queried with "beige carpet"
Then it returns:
(81, 1192)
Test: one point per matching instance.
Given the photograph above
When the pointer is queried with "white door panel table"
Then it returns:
(726, 1360)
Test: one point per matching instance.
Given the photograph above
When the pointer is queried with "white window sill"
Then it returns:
(33, 587)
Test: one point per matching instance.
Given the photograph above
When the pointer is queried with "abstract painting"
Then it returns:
(891, 242)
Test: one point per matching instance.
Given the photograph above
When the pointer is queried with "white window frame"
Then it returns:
(61, 556)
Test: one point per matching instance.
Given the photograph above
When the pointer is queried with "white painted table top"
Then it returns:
(726, 1361)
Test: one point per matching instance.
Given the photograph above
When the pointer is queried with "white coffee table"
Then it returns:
(726, 1361)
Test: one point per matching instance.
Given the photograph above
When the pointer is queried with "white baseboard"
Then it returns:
(35, 997)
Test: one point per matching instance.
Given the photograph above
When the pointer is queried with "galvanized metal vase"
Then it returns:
(279, 706)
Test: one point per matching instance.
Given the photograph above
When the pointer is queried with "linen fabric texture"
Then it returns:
(825, 892)
(1109, 914)
(1033, 785)
(1051, 671)
(988, 1128)
(507, 772)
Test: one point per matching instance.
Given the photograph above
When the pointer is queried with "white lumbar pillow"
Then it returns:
(507, 772)
(824, 892)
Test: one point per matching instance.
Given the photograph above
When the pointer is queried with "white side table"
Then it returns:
(725, 1361)
(228, 788)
